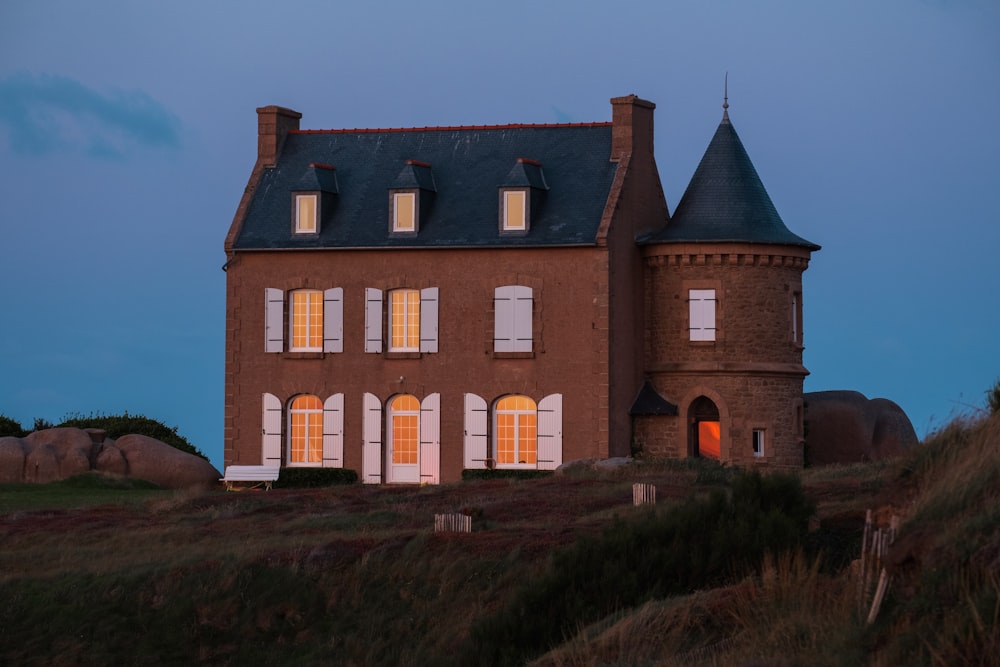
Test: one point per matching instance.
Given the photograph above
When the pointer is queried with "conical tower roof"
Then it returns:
(726, 200)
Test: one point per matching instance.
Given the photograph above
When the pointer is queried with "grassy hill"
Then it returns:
(729, 568)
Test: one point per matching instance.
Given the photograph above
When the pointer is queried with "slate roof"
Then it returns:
(466, 167)
(726, 201)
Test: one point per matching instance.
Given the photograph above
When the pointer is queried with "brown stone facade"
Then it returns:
(563, 360)
(752, 372)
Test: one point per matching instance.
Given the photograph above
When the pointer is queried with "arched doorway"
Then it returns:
(705, 432)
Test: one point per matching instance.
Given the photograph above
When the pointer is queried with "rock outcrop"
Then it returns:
(57, 453)
(847, 427)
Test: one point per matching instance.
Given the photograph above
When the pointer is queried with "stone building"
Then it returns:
(410, 303)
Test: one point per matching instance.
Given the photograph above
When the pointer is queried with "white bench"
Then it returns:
(253, 475)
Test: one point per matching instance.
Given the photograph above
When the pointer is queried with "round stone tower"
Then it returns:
(723, 344)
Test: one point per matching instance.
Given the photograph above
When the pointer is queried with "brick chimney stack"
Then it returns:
(273, 125)
(632, 126)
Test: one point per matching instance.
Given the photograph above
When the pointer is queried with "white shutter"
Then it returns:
(550, 432)
(371, 460)
(522, 318)
(701, 309)
(274, 313)
(430, 439)
(429, 319)
(333, 431)
(476, 442)
(503, 319)
(373, 320)
(271, 431)
(333, 320)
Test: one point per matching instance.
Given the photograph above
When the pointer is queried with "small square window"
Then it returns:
(758, 442)
(515, 215)
(305, 214)
(404, 218)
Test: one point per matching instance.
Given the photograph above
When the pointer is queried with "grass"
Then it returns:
(94, 573)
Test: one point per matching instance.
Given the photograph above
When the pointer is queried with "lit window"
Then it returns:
(307, 320)
(515, 217)
(701, 305)
(516, 431)
(306, 432)
(404, 316)
(758, 442)
(305, 214)
(404, 423)
(404, 217)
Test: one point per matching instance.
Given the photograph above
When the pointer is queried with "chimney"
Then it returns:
(273, 125)
(632, 126)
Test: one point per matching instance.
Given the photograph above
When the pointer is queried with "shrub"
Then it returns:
(11, 427)
(503, 473)
(307, 478)
(701, 543)
(125, 424)
(993, 398)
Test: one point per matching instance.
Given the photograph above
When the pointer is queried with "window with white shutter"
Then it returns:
(701, 310)
(333, 320)
(371, 460)
(430, 439)
(512, 323)
(333, 431)
(274, 315)
(476, 442)
(271, 431)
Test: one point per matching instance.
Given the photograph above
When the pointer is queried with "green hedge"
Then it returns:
(11, 427)
(125, 424)
(503, 473)
(307, 478)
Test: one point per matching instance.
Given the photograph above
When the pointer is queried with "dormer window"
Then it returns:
(515, 210)
(404, 212)
(313, 198)
(410, 198)
(305, 214)
(521, 194)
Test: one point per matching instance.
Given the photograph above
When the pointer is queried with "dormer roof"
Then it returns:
(414, 175)
(526, 173)
(726, 201)
(317, 178)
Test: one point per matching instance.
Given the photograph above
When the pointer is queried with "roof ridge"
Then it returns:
(452, 128)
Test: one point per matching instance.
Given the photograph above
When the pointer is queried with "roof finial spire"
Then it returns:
(725, 100)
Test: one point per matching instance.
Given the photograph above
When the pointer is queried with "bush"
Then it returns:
(699, 544)
(503, 473)
(308, 478)
(11, 427)
(125, 424)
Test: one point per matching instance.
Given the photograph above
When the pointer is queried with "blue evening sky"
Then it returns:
(128, 131)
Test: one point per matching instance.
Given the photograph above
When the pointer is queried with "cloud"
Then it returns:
(45, 114)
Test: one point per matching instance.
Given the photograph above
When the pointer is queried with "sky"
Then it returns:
(128, 133)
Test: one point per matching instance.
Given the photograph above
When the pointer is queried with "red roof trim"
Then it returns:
(419, 163)
(320, 165)
(451, 128)
(528, 160)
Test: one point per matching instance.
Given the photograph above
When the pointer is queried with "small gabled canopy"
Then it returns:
(726, 201)
(415, 174)
(649, 402)
(525, 173)
(318, 178)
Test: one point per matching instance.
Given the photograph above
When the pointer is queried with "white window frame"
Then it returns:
(398, 199)
(505, 218)
(313, 294)
(311, 415)
(702, 315)
(758, 440)
(300, 213)
(517, 426)
(414, 295)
